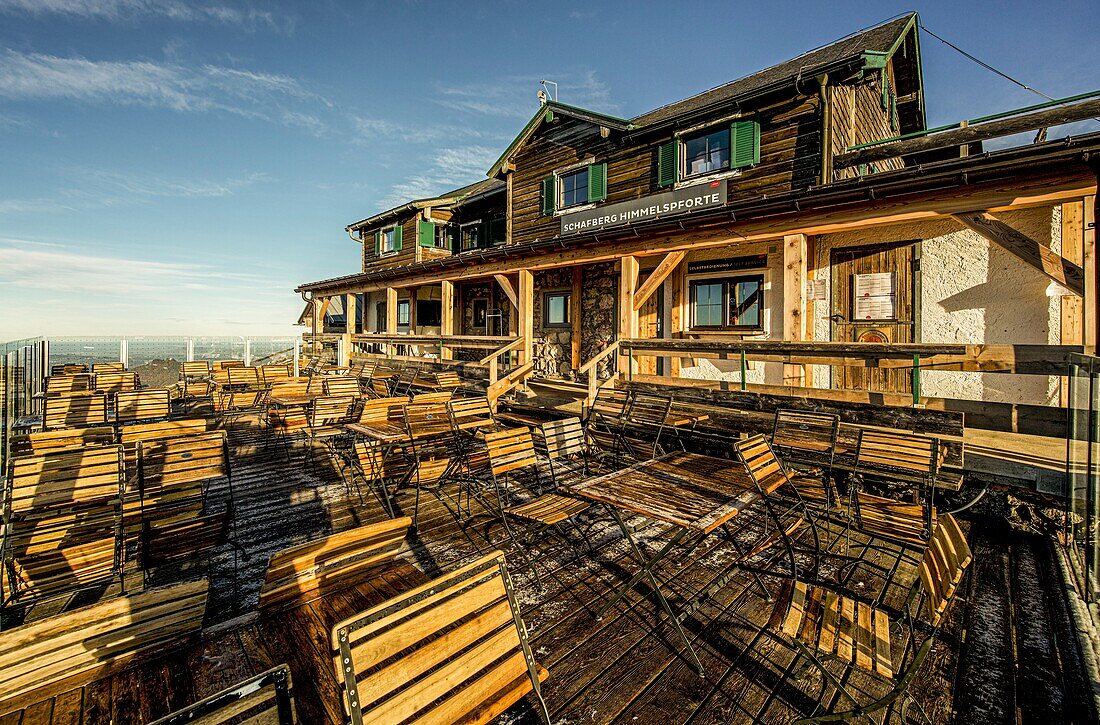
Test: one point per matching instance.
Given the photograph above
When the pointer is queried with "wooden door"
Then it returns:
(649, 327)
(873, 301)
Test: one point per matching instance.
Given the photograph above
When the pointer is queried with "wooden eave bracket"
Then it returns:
(656, 279)
(1038, 255)
(509, 289)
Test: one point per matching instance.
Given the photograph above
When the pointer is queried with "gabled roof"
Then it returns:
(881, 39)
(450, 198)
(869, 46)
(546, 114)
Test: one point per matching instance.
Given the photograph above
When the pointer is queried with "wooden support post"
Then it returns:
(794, 300)
(1072, 249)
(316, 322)
(344, 358)
(811, 306)
(350, 302)
(391, 317)
(526, 299)
(413, 294)
(678, 318)
(447, 314)
(628, 315)
(1091, 322)
(575, 314)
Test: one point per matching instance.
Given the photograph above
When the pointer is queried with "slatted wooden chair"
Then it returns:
(471, 416)
(904, 461)
(402, 383)
(604, 421)
(219, 370)
(149, 404)
(342, 385)
(808, 438)
(195, 369)
(66, 651)
(112, 382)
(563, 440)
(241, 378)
(326, 418)
(436, 396)
(363, 370)
(316, 569)
(195, 380)
(109, 367)
(229, 405)
(80, 410)
(67, 384)
(382, 468)
(33, 444)
(62, 522)
(273, 373)
(511, 459)
(432, 447)
(646, 423)
(265, 699)
(453, 650)
(68, 368)
(826, 626)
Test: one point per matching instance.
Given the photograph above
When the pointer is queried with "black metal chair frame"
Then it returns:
(278, 677)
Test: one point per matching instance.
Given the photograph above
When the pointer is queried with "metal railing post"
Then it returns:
(190, 349)
(124, 353)
(297, 356)
(916, 380)
(248, 352)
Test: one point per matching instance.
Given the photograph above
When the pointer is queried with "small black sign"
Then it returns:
(730, 264)
(648, 208)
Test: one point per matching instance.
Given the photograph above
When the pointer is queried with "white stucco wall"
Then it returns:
(974, 292)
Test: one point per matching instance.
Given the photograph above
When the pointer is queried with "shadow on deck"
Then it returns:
(1008, 651)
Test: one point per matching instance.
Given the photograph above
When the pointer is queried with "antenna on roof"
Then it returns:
(544, 91)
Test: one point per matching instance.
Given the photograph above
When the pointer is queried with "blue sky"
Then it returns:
(172, 167)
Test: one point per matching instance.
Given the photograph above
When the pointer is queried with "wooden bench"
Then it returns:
(69, 650)
(110, 367)
(74, 411)
(64, 518)
(149, 404)
(32, 444)
(308, 571)
(175, 473)
(826, 625)
(266, 699)
(68, 384)
(115, 382)
(453, 650)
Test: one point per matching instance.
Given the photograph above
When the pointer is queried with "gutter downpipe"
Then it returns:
(826, 130)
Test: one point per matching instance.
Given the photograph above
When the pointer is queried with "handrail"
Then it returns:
(514, 345)
(453, 341)
(499, 387)
(595, 359)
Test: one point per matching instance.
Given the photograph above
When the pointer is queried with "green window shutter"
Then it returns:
(425, 232)
(668, 163)
(597, 182)
(744, 144)
(397, 238)
(377, 242)
(549, 194)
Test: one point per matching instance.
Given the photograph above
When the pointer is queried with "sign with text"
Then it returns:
(648, 208)
(729, 264)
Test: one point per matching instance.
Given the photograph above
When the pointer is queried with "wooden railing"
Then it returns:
(439, 345)
(499, 386)
(590, 367)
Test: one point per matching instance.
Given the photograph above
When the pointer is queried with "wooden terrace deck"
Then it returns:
(1007, 655)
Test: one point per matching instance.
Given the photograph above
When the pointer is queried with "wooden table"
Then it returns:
(290, 401)
(693, 492)
(381, 432)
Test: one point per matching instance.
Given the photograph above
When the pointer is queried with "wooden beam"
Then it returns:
(350, 302)
(391, 310)
(970, 133)
(1091, 323)
(794, 300)
(447, 314)
(413, 294)
(506, 285)
(657, 277)
(575, 313)
(526, 305)
(1038, 255)
(1034, 191)
(316, 322)
(628, 314)
(1072, 238)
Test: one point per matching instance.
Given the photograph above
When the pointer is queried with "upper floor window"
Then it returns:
(585, 185)
(473, 235)
(736, 303)
(433, 235)
(706, 152)
(387, 241)
(574, 188)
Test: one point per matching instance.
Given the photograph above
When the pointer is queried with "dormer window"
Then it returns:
(387, 241)
(707, 152)
(574, 187)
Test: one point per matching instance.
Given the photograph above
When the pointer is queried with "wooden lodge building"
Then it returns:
(746, 236)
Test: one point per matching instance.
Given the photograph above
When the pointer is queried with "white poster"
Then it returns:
(874, 296)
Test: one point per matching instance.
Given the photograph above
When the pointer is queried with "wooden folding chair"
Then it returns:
(79, 410)
(147, 405)
(341, 386)
(265, 699)
(451, 651)
(512, 452)
(110, 367)
(68, 368)
(69, 383)
(432, 447)
(826, 626)
(112, 382)
(903, 462)
(809, 439)
(229, 404)
(274, 373)
(563, 440)
(603, 424)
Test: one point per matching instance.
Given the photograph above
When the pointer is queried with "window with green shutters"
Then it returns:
(586, 185)
(597, 182)
(708, 151)
(387, 241)
(549, 194)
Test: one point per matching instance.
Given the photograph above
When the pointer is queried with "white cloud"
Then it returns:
(132, 10)
(37, 76)
(449, 169)
(516, 96)
(369, 129)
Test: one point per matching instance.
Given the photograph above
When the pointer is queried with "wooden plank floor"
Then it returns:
(1005, 655)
